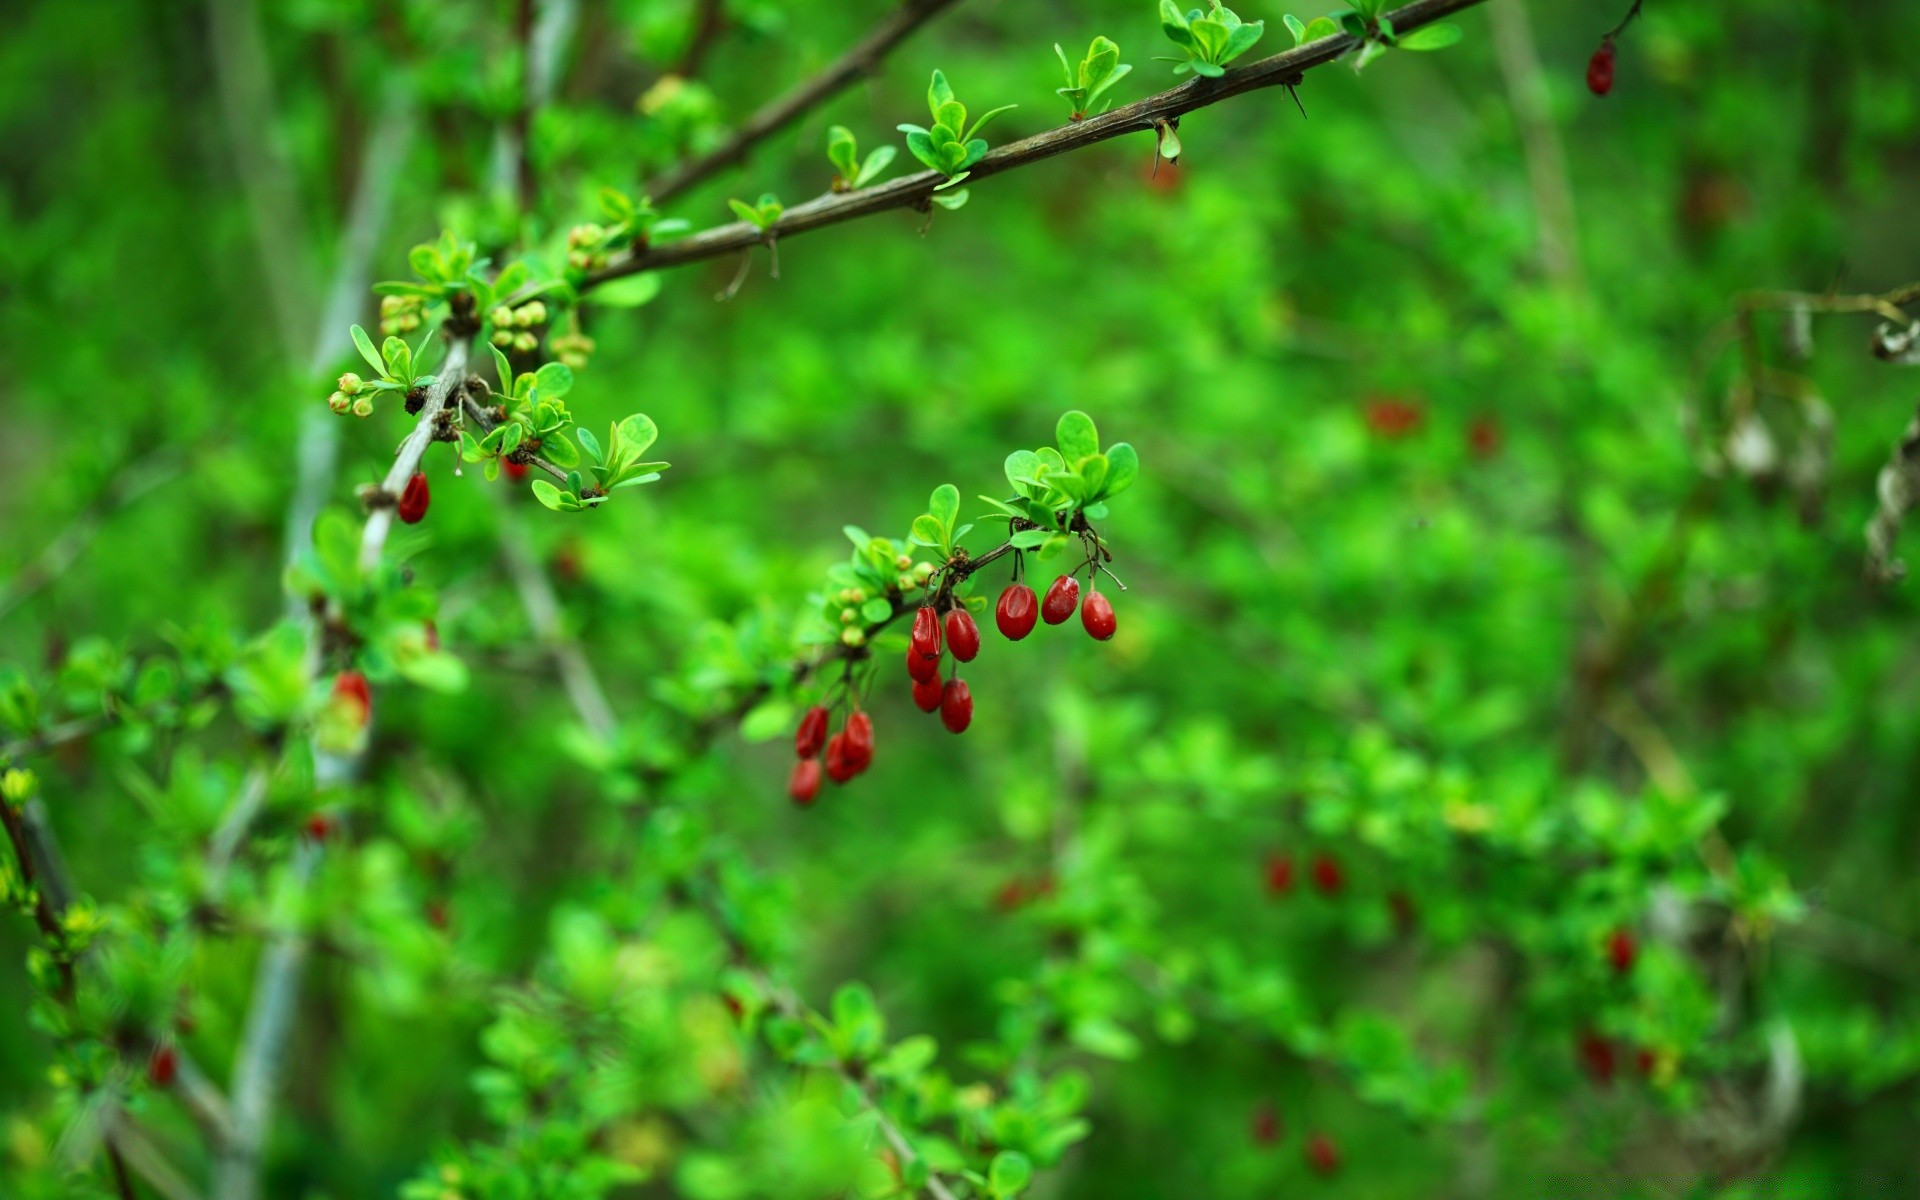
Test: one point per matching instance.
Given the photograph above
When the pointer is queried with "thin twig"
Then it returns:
(778, 114)
(915, 191)
(451, 374)
(543, 614)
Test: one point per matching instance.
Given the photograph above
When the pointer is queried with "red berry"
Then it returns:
(1327, 875)
(804, 784)
(859, 733)
(926, 633)
(812, 733)
(162, 1065)
(840, 760)
(413, 499)
(1644, 1061)
(1390, 417)
(319, 826)
(1062, 598)
(1621, 951)
(1266, 1125)
(956, 706)
(922, 669)
(1597, 1056)
(1096, 613)
(516, 471)
(437, 914)
(963, 636)
(1279, 874)
(926, 693)
(1017, 611)
(1323, 1155)
(353, 685)
(1485, 437)
(1011, 895)
(1600, 69)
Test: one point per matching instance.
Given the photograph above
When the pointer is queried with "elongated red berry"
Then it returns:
(353, 686)
(926, 633)
(926, 693)
(920, 668)
(1327, 875)
(1062, 598)
(413, 499)
(1323, 1154)
(963, 636)
(1622, 950)
(162, 1065)
(956, 706)
(840, 760)
(859, 734)
(1600, 69)
(1266, 1124)
(812, 734)
(1096, 614)
(319, 826)
(1598, 1056)
(516, 471)
(1018, 609)
(1279, 874)
(804, 784)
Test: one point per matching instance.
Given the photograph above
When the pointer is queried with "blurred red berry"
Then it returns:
(162, 1065)
(1327, 875)
(1600, 69)
(1062, 598)
(353, 685)
(1017, 611)
(1597, 1057)
(516, 471)
(1266, 1125)
(840, 761)
(1279, 874)
(1323, 1154)
(859, 733)
(1390, 417)
(1485, 437)
(433, 635)
(319, 826)
(804, 784)
(956, 706)
(1622, 950)
(1644, 1061)
(812, 734)
(413, 499)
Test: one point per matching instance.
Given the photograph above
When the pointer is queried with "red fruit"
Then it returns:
(1485, 437)
(1062, 598)
(922, 669)
(956, 706)
(804, 784)
(1017, 611)
(162, 1065)
(353, 685)
(437, 914)
(413, 499)
(1600, 70)
(516, 471)
(1323, 1155)
(1644, 1061)
(1012, 894)
(734, 1007)
(926, 693)
(1096, 613)
(859, 733)
(1327, 875)
(1389, 417)
(963, 636)
(1621, 951)
(319, 826)
(1597, 1056)
(812, 733)
(840, 761)
(1266, 1125)
(926, 633)
(1279, 874)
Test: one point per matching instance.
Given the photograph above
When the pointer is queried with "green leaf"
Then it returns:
(1123, 467)
(951, 200)
(881, 158)
(1174, 22)
(638, 432)
(591, 443)
(1021, 464)
(365, 345)
(1009, 1173)
(1321, 27)
(746, 212)
(556, 449)
(842, 151)
(938, 92)
(1431, 37)
(551, 496)
(1076, 436)
(989, 115)
(944, 504)
(1298, 30)
(629, 292)
(502, 368)
(1107, 1038)
(553, 380)
(928, 531)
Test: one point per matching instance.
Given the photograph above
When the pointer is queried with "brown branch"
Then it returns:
(915, 191)
(778, 114)
(707, 28)
(1886, 304)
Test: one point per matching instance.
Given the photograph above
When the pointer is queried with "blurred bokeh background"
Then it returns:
(1452, 561)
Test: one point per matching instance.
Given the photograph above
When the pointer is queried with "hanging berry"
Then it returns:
(1600, 69)
(413, 499)
(162, 1065)
(1062, 598)
(516, 471)
(812, 734)
(1279, 874)
(1323, 1154)
(1096, 614)
(859, 735)
(922, 669)
(804, 784)
(351, 686)
(319, 826)
(963, 636)
(927, 692)
(1327, 875)
(840, 761)
(1018, 609)
(1622, 950)
(956, 706)
(1266, 1124)
(925, 640)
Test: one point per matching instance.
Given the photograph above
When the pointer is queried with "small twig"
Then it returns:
(543, 614)
(451, 374)
(1625, 21)
(777, 115)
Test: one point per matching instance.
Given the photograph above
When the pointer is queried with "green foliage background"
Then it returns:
(1333, 640)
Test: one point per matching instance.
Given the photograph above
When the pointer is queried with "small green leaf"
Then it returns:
(638, 432)
(1076, 436)
(1009, 1174)
(365, 345)
(1430, 37)
(1123, 467)
(550, 495)
(928, 531)
(629, 292)
(944, 504)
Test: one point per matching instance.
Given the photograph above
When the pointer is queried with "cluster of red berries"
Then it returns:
(1599, 1057)
(1328, 876)
(847, 753)
(1017, 609)
(1322, 1152)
